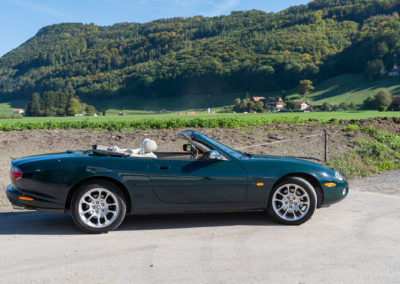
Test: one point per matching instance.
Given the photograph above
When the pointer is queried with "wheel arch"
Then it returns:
(117, 183)
(311, 179)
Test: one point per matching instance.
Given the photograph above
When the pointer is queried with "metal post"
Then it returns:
(325, 145)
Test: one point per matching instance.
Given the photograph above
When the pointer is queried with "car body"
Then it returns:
(210, 177)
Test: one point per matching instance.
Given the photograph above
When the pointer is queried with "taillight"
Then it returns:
(15, 173)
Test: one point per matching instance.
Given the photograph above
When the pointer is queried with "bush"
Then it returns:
(90, 110)
(383, 99)
(374, 69)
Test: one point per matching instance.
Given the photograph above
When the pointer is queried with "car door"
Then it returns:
(198, 181)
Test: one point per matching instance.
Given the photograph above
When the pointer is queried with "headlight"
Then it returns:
(338, 176)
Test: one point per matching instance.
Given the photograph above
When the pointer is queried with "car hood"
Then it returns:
(271, 157)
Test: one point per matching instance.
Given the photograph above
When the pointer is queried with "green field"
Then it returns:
(152, 120)
(347, 88)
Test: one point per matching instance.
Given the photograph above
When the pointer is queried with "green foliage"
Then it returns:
(326, 106)
(351, 127)
(374, 70)
(244, 51)
(247, 105)
(90, 110)
(33, 107)
(74, 107)
(383, 99)
(380, 153)
(380, 101)
(304, 87)
(292, 106)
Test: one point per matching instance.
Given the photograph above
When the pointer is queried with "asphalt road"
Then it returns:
(355, 241)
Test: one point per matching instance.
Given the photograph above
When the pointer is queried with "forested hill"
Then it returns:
(249, 51)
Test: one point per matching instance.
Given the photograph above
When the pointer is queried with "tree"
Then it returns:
(304, 87)
(374, 69)
(259, 107)
(369, 103)
(292, 106)
(326, 106)
(74, 107)
(383, 99)
(33, 107)
(90, 110)
(343, 106)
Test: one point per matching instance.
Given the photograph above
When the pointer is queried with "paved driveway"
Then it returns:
(355, 241)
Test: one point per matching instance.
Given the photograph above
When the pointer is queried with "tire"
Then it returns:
(98, 207)
(292, 201)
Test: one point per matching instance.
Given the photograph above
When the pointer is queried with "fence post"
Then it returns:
(325, 145)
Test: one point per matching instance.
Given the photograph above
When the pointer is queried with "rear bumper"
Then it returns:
(14, 194)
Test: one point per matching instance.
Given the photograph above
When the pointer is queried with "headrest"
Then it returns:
(148, 145)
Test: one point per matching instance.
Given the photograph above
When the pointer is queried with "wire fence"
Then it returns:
(323, 134)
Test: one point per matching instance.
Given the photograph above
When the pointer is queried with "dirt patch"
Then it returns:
(18, 144)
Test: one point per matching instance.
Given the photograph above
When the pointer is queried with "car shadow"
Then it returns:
(41, 223)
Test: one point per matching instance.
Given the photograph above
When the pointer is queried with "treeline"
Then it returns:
(246, 51)
(57, 104)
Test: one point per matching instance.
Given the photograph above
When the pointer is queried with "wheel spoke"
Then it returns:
(300, 197)
(94, 219)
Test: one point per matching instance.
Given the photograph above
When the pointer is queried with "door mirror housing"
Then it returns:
(188, 148)
(215, 155)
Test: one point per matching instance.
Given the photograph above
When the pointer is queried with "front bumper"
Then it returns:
(336, 193)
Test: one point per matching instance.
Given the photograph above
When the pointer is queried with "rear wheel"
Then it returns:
(98, 207)
(292, 201)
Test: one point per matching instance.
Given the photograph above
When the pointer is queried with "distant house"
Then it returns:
(270, 103)
(273, 103)
(395, 71)
(258, 99)
(18, 111)
(302, 105)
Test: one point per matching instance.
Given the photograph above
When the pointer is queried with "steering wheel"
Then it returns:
(195, 154)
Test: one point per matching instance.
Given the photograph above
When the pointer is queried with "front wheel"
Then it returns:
(98, 207)
(292, 201)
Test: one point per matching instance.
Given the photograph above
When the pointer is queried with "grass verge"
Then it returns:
(378, 154)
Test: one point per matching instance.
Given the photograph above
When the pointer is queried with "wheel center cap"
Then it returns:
(290, 201)
(98, 207)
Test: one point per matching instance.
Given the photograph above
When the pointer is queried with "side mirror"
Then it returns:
(188, 148)
(215, 155)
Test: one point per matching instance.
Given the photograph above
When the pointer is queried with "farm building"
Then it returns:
(302, 105)
(18, 111)
(275, 103)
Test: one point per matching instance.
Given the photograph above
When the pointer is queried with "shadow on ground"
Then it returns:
(40, 223)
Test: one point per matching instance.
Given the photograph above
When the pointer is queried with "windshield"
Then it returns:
(220, 146)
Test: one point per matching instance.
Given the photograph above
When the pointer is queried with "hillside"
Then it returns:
(249, 51)
(348, 88)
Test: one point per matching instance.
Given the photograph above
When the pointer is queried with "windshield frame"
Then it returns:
(211, 143)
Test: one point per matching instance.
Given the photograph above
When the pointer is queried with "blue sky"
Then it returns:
(21, 19)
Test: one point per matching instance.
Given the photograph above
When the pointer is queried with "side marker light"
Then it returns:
(25, 198)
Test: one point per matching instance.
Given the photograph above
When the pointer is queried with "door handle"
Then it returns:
(164, 168)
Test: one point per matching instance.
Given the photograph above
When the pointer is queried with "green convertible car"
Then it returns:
(100, 186)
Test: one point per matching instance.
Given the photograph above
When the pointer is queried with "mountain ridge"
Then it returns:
(250, 51)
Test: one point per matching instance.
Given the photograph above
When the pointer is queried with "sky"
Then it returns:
(21, 19)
